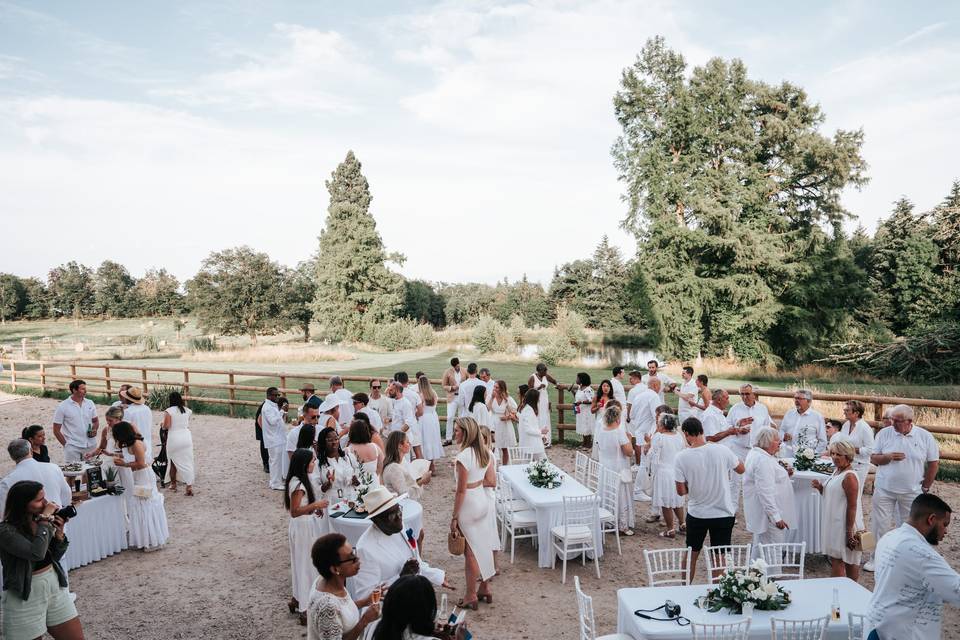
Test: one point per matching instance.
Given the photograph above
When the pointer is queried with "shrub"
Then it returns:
(518, 329)
(203, 343)
(556, 348)
(490, 335)
(571, 326)
(399, 335)
(149, 342)
(159, 396)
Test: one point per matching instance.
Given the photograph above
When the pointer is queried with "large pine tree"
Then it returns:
(354, 285)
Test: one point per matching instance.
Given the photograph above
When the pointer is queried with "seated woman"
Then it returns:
(396, 468)
(37, 437)
(368, 456)
(333, 614)
(409, 612)
(145, 511)
(32, 542)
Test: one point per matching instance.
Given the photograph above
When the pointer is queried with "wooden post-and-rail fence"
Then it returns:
(105, 378)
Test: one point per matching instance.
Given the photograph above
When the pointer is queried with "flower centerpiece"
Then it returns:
(738, 587)
(366, 483)
(805, 459)
(543, 474)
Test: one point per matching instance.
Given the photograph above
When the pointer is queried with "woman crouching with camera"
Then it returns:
(35, 597)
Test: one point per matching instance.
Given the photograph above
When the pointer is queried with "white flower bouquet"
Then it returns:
(739, 587)
(805, 458)
(543, 474)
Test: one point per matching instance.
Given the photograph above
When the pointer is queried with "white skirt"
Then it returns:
(180, 454)
(505, 434)
(430, 434)
(148, 521)
(303, 532)
(665, 488)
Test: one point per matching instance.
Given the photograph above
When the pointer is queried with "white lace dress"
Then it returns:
(330, 616)
(504, 433)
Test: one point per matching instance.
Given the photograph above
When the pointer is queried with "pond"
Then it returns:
(601, 355)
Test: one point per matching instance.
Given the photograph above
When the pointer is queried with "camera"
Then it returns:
(672, 609)
(66, 512)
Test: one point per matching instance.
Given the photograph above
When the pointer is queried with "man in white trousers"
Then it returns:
(274, 437)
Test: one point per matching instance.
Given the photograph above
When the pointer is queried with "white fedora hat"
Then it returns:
(329, 402)
(379, 499)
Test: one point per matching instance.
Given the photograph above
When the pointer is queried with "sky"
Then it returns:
(152, 134)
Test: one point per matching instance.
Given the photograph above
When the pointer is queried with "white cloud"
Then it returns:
(923, 32)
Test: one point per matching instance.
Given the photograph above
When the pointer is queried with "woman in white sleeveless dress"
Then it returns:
(148, 519)
(503, 410)
(582, 403)
(541, 381)
(603, 395)
(471, 508)
(432, 442)
(529, 427)
(365, 457)
(666, 443)
(303, 529)
(841, 514)
(176, 422)
(616, 453)
(109, 446)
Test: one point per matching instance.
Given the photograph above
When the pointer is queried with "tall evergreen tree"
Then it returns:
(725, 179)
(354, 285)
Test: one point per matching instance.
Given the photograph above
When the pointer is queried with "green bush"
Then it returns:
(518, 329)
(490, 335)
(149, 342)
(159, 396)
(556, 348)
(571, 326)
(203, 343)
(399, 335)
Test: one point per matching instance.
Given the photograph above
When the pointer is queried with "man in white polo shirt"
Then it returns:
(687, 392)
(803, 424)
(745, 418)
(907, 459)
(75, 423)
(715, 427)
(345, 398)
(616, 382)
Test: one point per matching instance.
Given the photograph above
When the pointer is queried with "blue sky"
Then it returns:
(154, 133)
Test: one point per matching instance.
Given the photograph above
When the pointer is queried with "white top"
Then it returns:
(55, 486)
(713, 421)
(294, 435)
(330, 616)
(75, 418)
(139, 415)
(740, 444)
(179, 421)
(633, 400)
(529, 429)
(481, 414)
(411, 394)
(808, 426)
(271, 421)
(346, 406)
(465, 392)
(706, 470)
(403, 414)
(767, 493)
(618, 392)
(664, 448)
(376, 422)
(911, 583)
(609, 453)
(379, 405)
(687, 408)
(643, 412)
(665, 381)
(381, 559)
(904, 476)
(861, 438)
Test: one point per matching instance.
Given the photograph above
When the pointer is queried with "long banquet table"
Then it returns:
(548, 505)
(811, 599)
(98, 531)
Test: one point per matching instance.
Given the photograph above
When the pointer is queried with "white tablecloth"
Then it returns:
(811, 598)
(807, 500)
(353, 528)
(548, 504)
(98, 531)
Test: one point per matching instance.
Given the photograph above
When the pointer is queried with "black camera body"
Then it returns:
(66, 512)
(672, 609)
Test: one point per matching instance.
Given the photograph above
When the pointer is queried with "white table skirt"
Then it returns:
(353, 528)
(98, 531)
(548, 505)
(811, 598)
(808, 503)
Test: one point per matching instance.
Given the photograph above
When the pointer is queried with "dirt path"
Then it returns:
(225, 571)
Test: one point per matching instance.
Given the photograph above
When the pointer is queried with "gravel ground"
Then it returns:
(225, 571)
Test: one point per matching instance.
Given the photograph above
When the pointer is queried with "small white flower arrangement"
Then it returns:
(543, 474)
(737, 588)
(805, 458)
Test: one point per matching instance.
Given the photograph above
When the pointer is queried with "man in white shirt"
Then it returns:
(346, 401)
(746, 417)
(687, 392)
(616, 381)
(466, 389)
(410, 392)
(385, 552)
(55, 486)
(703, 475)
(361, 404)
(402, 417)
(715, 427)
(486, 378)
(666, 382)
(310, 415)
(451, 384)
(643, 412)
(377, 401)
(913, 580)
(274, 437)
(803, 424)
(907, 459)
(137, 413)
(75, 423)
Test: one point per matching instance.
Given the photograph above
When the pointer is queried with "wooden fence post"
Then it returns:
(559, 414)
(106, 375)
(43, 378)
(73, 372)
(143, 379)
(877, 412)
(233, 393)
(186, 382)
(283, 384)
(13, 376)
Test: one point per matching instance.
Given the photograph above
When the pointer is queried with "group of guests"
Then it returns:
(34, 498)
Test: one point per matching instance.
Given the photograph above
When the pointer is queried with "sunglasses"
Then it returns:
(376, 386)
(351, 558)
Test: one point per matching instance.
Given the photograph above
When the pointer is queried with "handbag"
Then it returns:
(626, 476)
(865, 540)
(456, 543)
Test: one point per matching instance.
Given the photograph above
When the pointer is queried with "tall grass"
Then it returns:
(273, 354)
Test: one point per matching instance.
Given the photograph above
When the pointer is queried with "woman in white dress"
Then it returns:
(768, 503)
(429, 422)
(841, 515)
(860, 434)
(665, 444)
(477, 408)
(582, 405)
(367, 458)
(109, 446)
(147, 517)
(616, 454)
(332, 613)
(503, 410)
(334, 478)
(490, 487)
(304, 527)
(600, 399)
(541, 381)
(397, 475)
(529, 427)
(176, 422)
(471, 511)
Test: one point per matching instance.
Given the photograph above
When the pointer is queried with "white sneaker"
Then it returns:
(868, 566)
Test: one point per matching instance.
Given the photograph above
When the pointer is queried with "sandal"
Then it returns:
(302, 618)
(172, 488)
(627, 532)
(683, 528)
(488, 597)
(293, 605)
(469, 605)
(188, 491)
(652, 519)
(669, 533)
